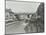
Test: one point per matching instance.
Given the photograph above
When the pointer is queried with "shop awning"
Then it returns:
(22, 7)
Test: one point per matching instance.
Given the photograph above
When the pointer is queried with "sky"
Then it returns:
(22, 7)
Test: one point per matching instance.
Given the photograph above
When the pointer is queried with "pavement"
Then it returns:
(15, 27)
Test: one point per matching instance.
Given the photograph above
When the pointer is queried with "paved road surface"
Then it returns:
(15, 27)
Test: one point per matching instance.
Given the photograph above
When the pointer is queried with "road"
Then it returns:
(15, 27)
